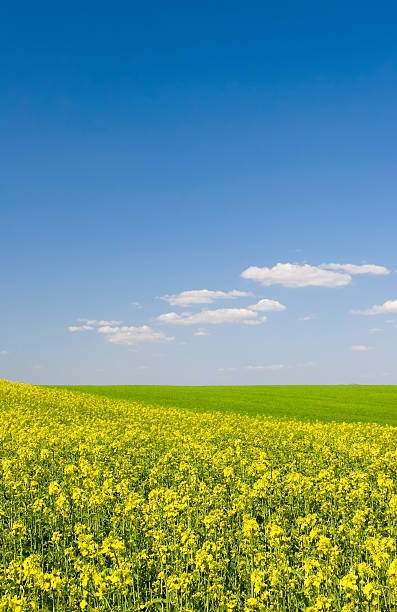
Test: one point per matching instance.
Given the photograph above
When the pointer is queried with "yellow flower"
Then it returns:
(349, 583)
(54, 488)
(371, 592)
(137, 507)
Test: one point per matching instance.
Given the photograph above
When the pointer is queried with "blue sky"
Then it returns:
(153, 149)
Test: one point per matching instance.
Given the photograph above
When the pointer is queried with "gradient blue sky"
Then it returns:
(153, 148)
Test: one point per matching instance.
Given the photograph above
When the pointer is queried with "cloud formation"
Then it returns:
(90, 324)
(133, 335)
(361, 348)
(354, 269)
(247, 316)
(266, 305)
(80, 328)
(100, 322)
(117, 334)
(212, 317)
(202, 296)
(389, 307)
(296, 276)
(303, 275)
(202, 332)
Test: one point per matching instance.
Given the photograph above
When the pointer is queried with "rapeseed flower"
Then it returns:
(112, 505)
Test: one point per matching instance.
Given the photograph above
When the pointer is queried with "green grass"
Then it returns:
(376, 404)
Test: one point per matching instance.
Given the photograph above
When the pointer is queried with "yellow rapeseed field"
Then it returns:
(108, 505)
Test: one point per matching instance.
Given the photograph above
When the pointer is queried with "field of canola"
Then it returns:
(111, 505)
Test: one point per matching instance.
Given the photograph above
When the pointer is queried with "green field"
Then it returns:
(376, 404)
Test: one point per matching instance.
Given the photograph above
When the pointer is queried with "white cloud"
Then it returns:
(202, 296)
(361, 348)
(226, 369)
(90, 324)
(131, 335)
(202, 332)
(296, 275)
(247, 316)
(96, 323)
(272, 367)
(307, 317)
(375, 330)
(389, 307)
(75, 328)
(122, 334)
(219, 315)
(3, 352)
(266, 305)
(354, 269)
(136, 304)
